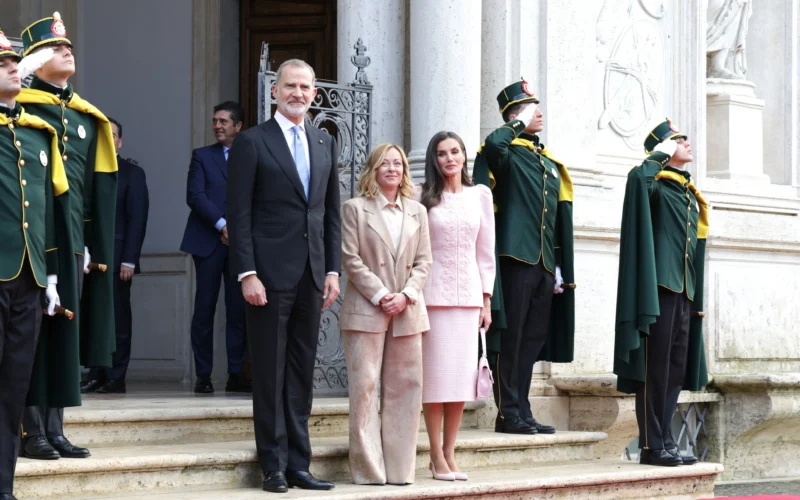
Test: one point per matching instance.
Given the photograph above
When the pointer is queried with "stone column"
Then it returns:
(445, 74)
(688, 78)
(510, 36)
(382, 29)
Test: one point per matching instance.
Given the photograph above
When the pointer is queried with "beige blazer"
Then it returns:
(370, 262)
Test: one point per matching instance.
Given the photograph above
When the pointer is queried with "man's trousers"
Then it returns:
(20, 320)
(667, 349)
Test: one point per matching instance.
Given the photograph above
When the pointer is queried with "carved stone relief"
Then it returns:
(632, 49)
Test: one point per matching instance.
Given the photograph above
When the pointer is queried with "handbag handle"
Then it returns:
(483, 341)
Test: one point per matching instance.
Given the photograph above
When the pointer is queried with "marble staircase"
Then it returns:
(179, 447)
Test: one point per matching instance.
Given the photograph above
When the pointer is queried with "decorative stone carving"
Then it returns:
(633, 74)
(728, 22)
(360, 60)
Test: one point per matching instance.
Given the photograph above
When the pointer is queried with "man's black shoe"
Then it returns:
(91, 386)
(540, 428)
(513, 425)
(658, 457)
(238, 383)
(685, 460)
(275, 482)
(7, 496)
(66, 449)
(112, 387)
(38, 448)
(304, 480)
(203, 385)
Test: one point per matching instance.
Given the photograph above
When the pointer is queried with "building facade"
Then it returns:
(605, 71)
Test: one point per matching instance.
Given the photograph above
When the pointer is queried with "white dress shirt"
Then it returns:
(222, 222)
(286, 126)
(392, 214)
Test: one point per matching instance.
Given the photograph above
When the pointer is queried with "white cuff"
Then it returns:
(248, 273)
(334, 273)
(411, 294)
(126, 264)
(52, 279)
(376, 299)
(221, 223)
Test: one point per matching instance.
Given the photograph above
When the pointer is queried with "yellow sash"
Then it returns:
(702, 222)
(106, 154)
(57, 174)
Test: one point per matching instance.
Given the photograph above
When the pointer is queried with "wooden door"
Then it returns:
(303, 29)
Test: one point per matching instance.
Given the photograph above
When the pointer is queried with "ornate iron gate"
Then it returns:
(344, 110)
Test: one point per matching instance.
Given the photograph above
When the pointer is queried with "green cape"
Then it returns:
(637, 292)
(62, 349)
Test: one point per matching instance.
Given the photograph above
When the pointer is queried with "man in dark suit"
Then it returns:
(133, 203)
(206, 238)
(283, 207)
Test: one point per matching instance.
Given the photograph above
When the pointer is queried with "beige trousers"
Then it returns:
(383, 448)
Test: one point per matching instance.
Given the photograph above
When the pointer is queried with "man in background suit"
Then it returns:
(206, 238)
(283, 207)
(133, 203)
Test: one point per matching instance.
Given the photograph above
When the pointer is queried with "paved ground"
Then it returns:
(760, 488)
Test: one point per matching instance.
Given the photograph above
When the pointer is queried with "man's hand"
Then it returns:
(485, 320)
(394, 303)
(125, 273)
(559, 281)
(667, 147)
(53, 299)
(526, 115)
(253, 291)
(331, 290)
(223, 235)
(87, 259)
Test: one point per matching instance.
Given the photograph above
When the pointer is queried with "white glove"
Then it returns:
(667, 147)
(559, 281)
(526, 116)
(29, 64)
(87, 259)
(51, 293)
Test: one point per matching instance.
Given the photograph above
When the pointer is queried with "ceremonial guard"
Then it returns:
(87, 151)
(533, 304)
(659, 336)
(32, 183)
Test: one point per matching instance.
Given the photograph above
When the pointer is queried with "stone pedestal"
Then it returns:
(445, 75)
(735, 132)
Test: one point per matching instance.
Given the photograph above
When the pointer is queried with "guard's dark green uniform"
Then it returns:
(533, 218)
(659, 340)
(32, 182)
(89, 158)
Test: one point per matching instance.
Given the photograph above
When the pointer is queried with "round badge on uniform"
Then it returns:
(555, 174)
(81, 132)
(525, 88)
(43, 158)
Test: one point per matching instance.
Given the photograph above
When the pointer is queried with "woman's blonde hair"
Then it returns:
(368, 182)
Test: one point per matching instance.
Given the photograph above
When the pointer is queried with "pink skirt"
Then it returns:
(450, 355)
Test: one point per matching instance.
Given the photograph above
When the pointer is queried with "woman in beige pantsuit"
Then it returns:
(386, 254)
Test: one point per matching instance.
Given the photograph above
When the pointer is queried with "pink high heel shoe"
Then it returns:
(441, 477)
(460, 476)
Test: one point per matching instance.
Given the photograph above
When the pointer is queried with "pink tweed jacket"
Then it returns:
(462, 244)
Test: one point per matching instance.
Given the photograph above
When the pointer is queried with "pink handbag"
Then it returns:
(485, 379)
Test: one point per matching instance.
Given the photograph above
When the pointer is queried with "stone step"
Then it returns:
(596, 479)
(178, 418)
(233, 464)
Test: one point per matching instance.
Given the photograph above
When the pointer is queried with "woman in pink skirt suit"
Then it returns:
(457, 293)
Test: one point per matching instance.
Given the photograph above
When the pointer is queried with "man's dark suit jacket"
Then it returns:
(273, 229)
(205, 195)
(133, 203)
